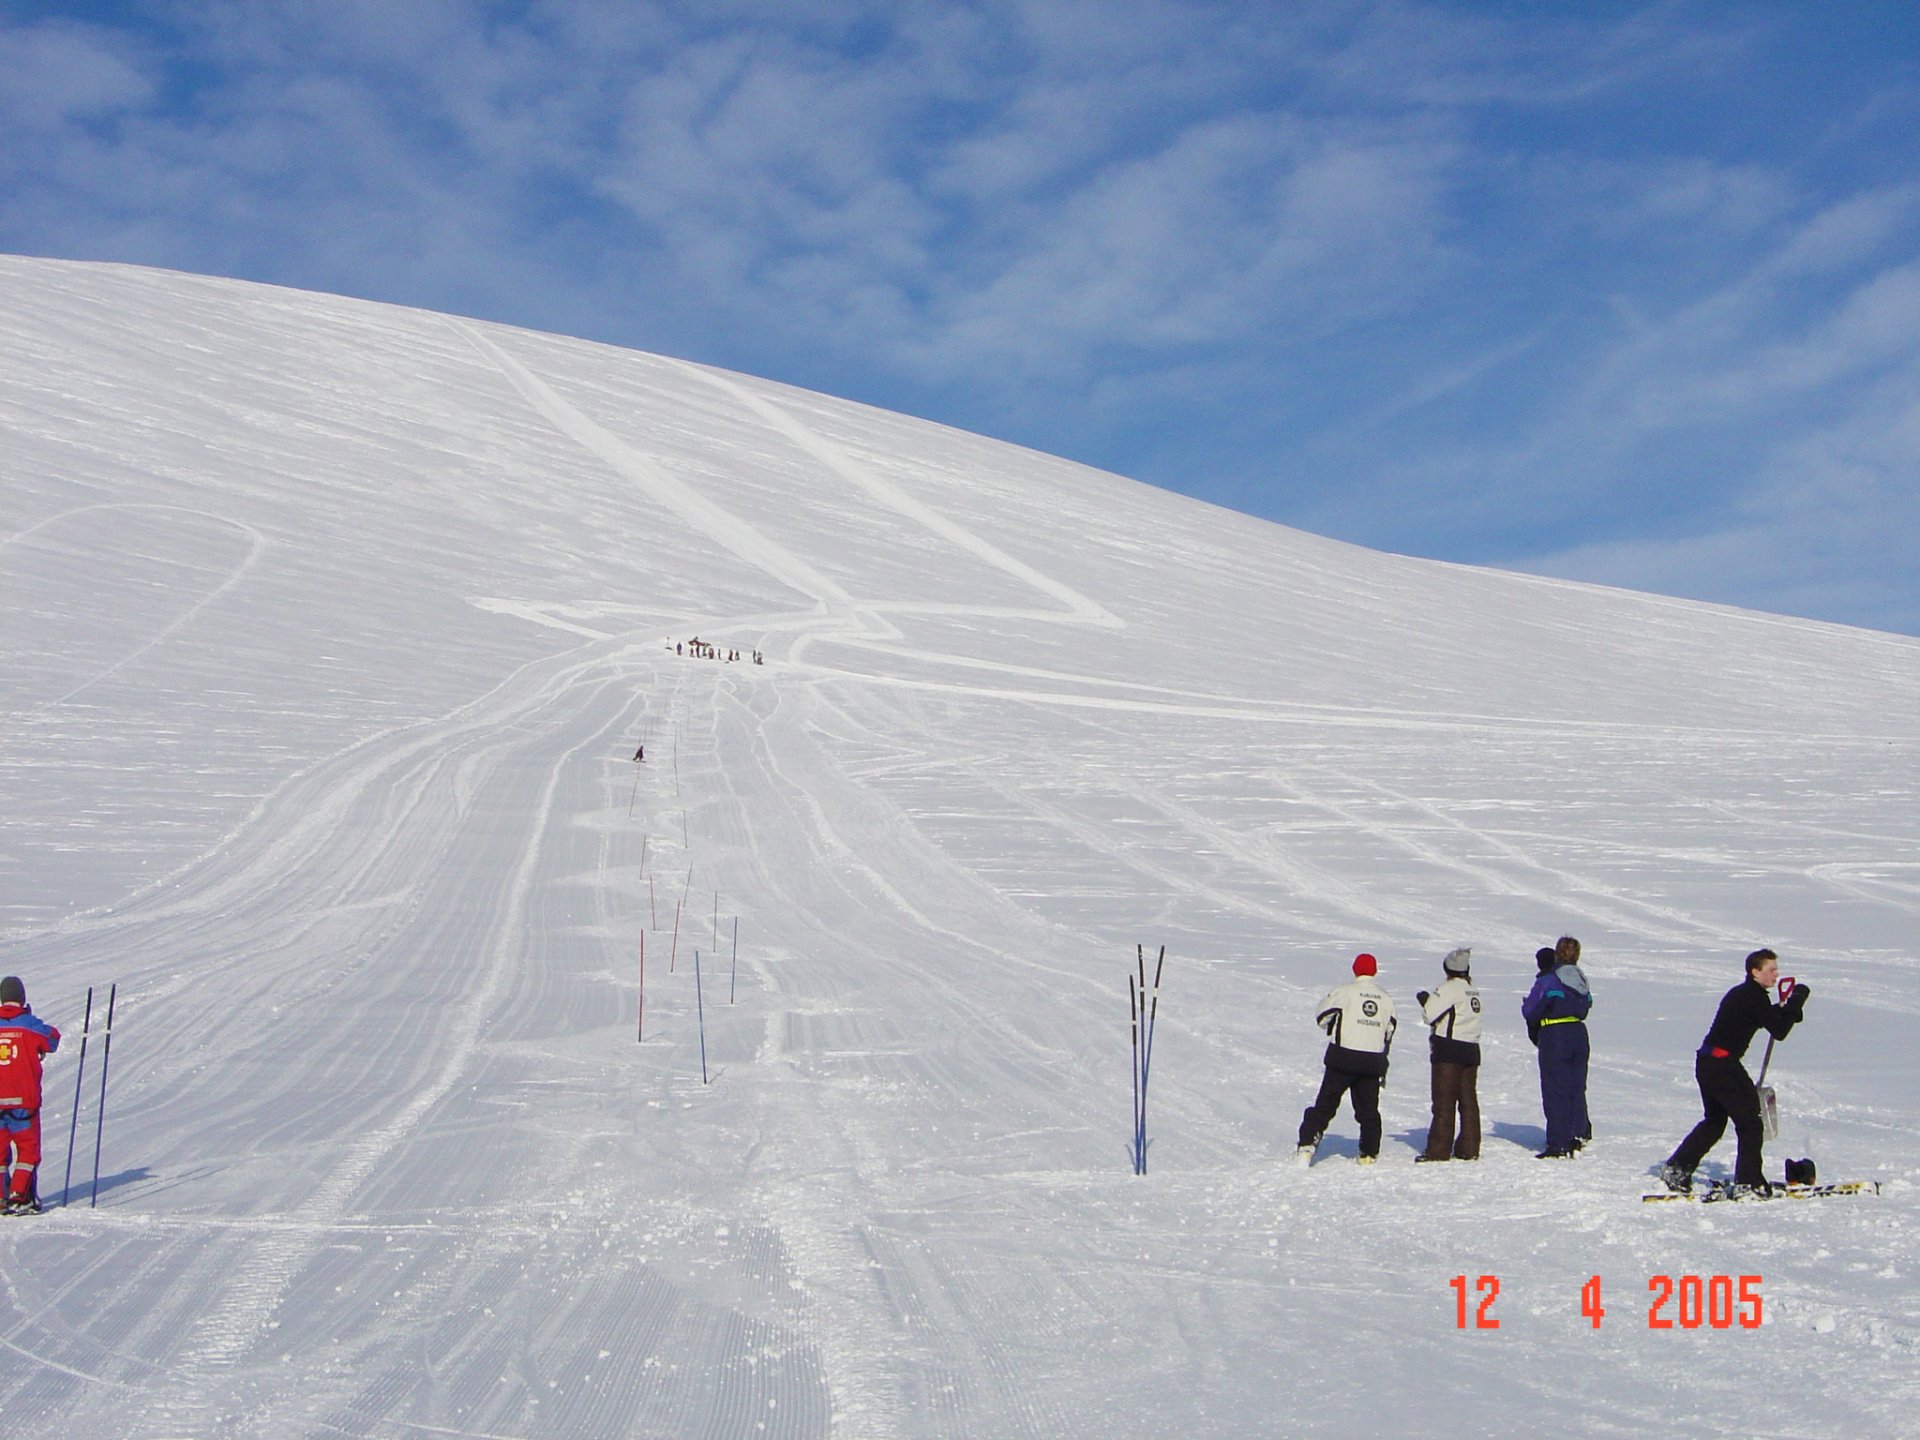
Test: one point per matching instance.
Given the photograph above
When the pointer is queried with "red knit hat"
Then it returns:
(1364, 964)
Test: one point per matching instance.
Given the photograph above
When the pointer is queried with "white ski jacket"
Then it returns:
(1358, 1017)
(1452, 1013)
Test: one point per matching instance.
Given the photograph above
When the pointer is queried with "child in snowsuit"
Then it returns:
(1358, 1018)
(1452, 1014)
(24, 1042)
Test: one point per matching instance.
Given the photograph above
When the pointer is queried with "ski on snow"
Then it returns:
(1723, 1191)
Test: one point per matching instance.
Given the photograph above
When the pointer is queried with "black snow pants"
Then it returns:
(1726, 1093)
(1366, 1108)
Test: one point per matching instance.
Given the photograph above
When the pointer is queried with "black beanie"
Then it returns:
(12, 992)
(1545, 958)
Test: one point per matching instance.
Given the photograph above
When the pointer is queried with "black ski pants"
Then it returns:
(1726, 1093)
(1366, 1108)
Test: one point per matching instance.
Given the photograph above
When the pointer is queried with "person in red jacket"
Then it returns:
(25, 1041)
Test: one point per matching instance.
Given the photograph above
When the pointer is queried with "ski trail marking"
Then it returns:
(261, 1279)
(718, 524)
(1079, 607)
(256, 550)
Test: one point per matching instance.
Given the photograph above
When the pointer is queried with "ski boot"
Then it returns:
(1675, 1179)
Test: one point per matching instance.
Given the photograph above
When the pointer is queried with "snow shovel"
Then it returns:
(1769, 1107)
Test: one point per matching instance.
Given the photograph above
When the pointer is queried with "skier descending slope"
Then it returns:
(25, 1041)
(1727, 1092)
(1358, 1018)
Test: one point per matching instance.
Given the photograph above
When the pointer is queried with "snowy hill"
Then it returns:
(329, 630)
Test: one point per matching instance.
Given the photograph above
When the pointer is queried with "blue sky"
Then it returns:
(1626, 293)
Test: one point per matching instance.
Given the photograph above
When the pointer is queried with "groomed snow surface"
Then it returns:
(329, 630)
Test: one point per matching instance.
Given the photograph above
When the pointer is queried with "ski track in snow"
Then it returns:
(417, 1178)
(257, 548)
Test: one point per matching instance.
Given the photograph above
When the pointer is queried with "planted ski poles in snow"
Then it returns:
(700, 1007)
(1143, 1008)
(79, 1077)
(100, 1120)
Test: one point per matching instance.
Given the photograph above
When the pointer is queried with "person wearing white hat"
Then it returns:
(1452, 1014)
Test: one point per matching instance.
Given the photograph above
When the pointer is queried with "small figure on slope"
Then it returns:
(1556, 1014)
(1452, 1014)
(1359, 1020)
(25, 1041)
(1727, 1092)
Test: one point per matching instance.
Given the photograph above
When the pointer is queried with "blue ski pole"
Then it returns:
(1146, 1060)
(100, 1122)
(1133, 1023)
(700, 1006)
(1148, 1014)
(80, 1074)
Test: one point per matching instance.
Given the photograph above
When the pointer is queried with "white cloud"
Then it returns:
(1231, 227)
(1825, 524)
(56, 74)
(1367, 246)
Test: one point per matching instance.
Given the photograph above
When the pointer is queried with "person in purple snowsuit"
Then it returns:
(1556, 1014)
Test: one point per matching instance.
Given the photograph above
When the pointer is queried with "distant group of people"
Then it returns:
(700, 650)
(1359, 1020)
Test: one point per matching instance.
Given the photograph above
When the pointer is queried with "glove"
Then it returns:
(1797, 1001)
(1421, 996)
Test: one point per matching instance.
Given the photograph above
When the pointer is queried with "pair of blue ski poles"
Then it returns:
(1143, 1010)
(100, 1119)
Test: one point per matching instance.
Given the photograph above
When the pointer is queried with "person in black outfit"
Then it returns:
(1726, 1090)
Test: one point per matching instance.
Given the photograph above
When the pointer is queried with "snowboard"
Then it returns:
(1723, 1191)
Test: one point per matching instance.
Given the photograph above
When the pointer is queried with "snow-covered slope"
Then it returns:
(329, 630)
